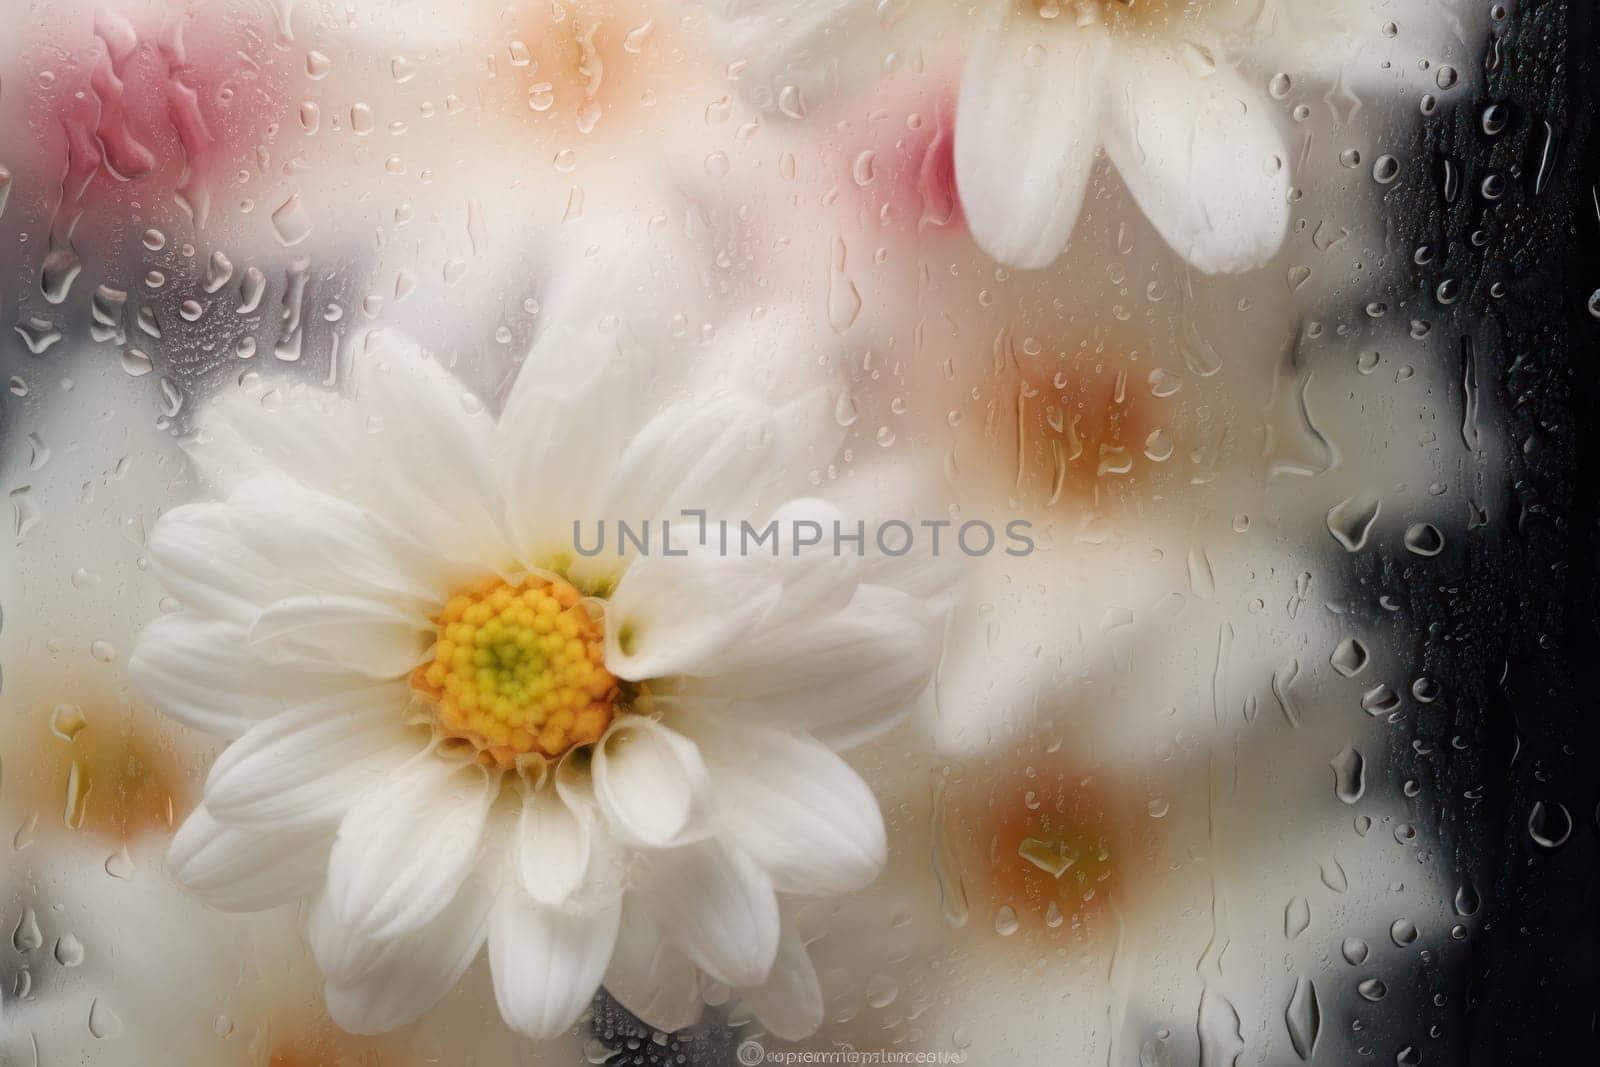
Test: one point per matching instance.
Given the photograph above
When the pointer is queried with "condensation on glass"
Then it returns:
(1264, 321)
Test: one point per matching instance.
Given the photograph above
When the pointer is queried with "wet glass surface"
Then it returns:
(1260, 731)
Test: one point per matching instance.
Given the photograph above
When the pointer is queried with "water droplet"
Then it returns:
(1350, 520)
(69, 950)
(106, 309)
(38, 452)
(1549, 825)
(865, 168)
(1349, 658)
(26, 937)
(1380, 700)
(1218, 1027)
(251, 288)
(1349, 775)
(103, 1022)
(1303, 1017)
(1334, 876)
(25, 510)
(844, 299)
(1202, 583)
(40, 335)
(1159, 446)
(291, 221)
(1052, 858)
(791, 102)
(1424, 539)
(67, 721)
(1296, 917)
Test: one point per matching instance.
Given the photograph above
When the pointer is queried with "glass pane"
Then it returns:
(660, 531)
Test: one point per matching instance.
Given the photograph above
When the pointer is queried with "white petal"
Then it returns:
(685, 615)
(605, 873)
(1202, 156)
(405, 848)
(237, 870)
(307, 767)
(651, 784)
(709, 456)
(329, 545)
(435, 450)
(1027, 132)
(816, 580)
(554, 844)
(408, 447)
(845, 678)
(649, 975)
(318, 632)
(396, 981)
(929, 576)
(681, 614)
(560, 434)
(789, 1002)
(547, 962)
(198, 558)
(241, 435)
(719, 908)
(202, 673)
(793, 806)
(803, 398)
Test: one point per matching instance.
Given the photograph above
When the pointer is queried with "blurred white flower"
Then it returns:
(1157, 84)
(449, 729)
(1047, 84)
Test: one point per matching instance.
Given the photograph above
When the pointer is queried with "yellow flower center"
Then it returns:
(519, 669)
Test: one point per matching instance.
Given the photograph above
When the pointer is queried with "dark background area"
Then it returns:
(1507, 760)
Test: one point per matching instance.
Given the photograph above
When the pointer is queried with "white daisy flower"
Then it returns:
(1156, 84)
(450, 729)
